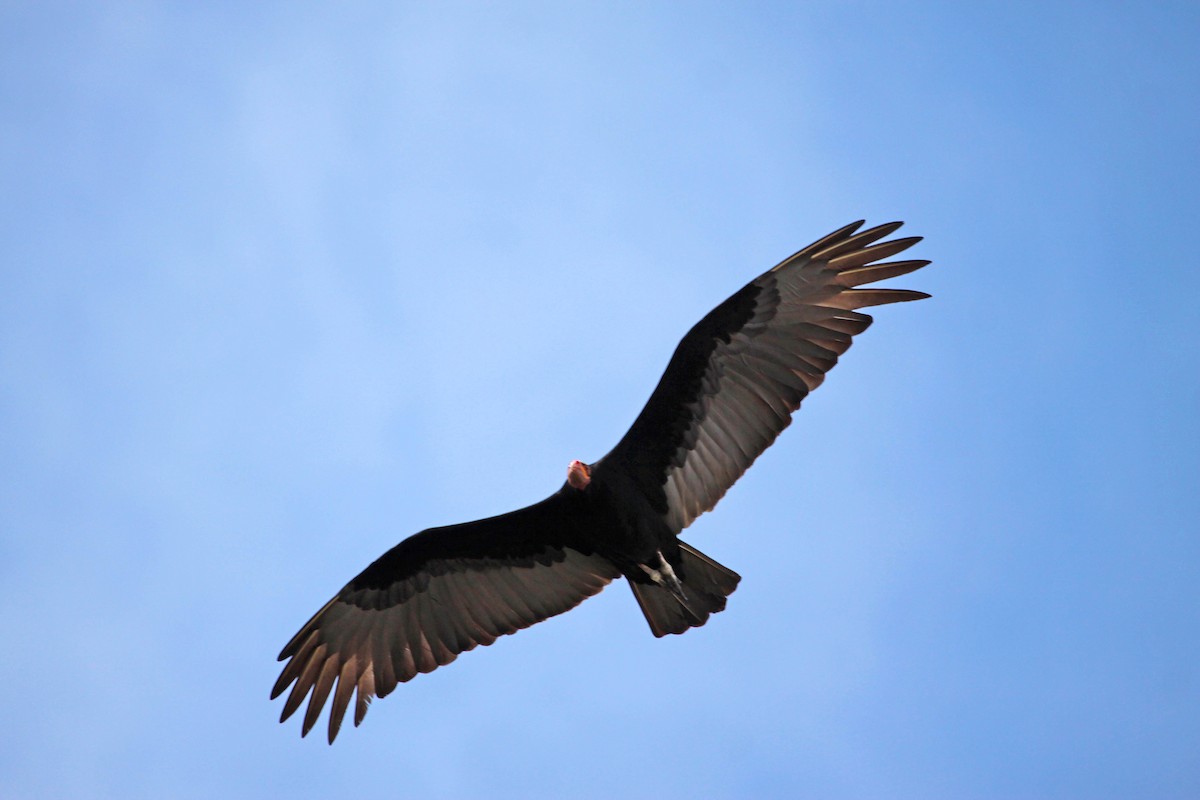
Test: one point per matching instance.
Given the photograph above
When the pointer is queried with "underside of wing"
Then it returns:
(433, 596)
(738, 376)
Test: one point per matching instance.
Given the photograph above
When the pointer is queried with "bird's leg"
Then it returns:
(665, 577)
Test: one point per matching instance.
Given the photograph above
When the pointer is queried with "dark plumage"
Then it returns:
(730, 388)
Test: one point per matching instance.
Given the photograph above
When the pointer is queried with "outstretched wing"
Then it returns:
(431, 597)
(738, 376)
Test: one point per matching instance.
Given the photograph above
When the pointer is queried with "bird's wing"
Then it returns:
(738, 375)
(431, 597)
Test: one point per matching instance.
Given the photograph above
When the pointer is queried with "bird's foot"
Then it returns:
(664, 575)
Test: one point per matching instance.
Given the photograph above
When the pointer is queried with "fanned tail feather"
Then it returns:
(706, 584)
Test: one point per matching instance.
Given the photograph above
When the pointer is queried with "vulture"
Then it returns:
(730, 388)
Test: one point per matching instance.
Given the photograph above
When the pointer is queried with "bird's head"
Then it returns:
(579, 475)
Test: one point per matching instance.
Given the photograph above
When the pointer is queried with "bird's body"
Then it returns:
(729, 390)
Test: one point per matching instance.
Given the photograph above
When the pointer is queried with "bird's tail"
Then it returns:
(706, 584)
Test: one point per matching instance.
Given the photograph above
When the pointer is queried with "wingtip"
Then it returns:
(829, 239)
(842, 232)
(848, 230)
(888, 228)
(886, 296)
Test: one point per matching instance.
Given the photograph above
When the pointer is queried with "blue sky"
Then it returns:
(283, 284)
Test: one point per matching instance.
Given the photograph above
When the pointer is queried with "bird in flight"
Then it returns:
(731, 387)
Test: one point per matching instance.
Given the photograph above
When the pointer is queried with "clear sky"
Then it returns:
(283, 283)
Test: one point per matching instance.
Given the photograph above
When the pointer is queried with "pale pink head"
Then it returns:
(579, 475)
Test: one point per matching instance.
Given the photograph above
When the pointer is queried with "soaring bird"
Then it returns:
(730, 388)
